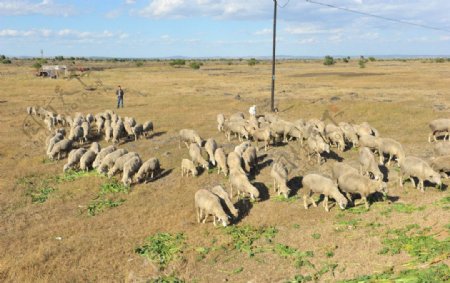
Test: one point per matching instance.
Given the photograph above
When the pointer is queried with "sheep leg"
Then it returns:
(412, 181)
(197, 209)
(366, 202)
(381, 158)
(349, 197)
(182, 171)
(389, 160)
(214, 221)
(421, 185)
(313, 201)
(305, 202)
(325, 203)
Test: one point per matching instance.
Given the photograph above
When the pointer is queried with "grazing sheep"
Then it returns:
(365, 129)
(318, 125)
(392, 148)
(120, 162)
(316, 145)
(95, 147)
(262, 134)
(315, 183)
(188, 166)
(238, 116)
(118, 131)
(210, 147)
(271, 117)
(349, 133)
(416, 167)
(221, 193)
(85, 126)
(221, 159)
(439, 126)
(150, 168)
(336, 136)
(52, 141)
(129, 169)
(235, 127)
(128, 129)
(74, 158)
(242, 185)
(196, 155)
(101, 155)
(148, 128)
(76, 134)
(367, 164)
(220, 122)
(29, 110)
(90, 118)
(108, 131)
(250, 159)
(234, 162)
(60, 148)
(442, 148)
(239, 149)
(87, 159)
(369, 141)
(279, 174)
(109, 160)
(441, 164)
(189, 136)
(340, 168)
(130, 121)
(352, 183)
(138, 131)
(207, 203)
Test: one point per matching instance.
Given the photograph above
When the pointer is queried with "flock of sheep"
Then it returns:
(109, 160)
(315, 138)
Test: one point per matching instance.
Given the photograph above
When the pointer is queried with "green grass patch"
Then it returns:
(72, 175)
(244, 237)
(41, 195)
(167, 279)
(96, 207)
(434, 273)
(299, 258)
(444, 203)
(357, 209)
(417, 243)
(349, 224)
(113, 187)
(402, 208)
(301, 279)
(316, 236)
(282, 198)
(162, 248)
(37, 187)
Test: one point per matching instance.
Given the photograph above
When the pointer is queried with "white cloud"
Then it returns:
(26, 7)
(265, 31)
(307, 28)
(308, 40)
(130, 2)
(444, 38)
(113, 14)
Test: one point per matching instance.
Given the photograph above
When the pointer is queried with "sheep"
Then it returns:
(85, 126)
(150, 167)
(369, 141)
(238, 116)
(101, 155)
(220, 122)
(49, 123)
(108, 131)
(442, 148)
(352, 183)
(95, 147)
(73, 158)
(130, 121)
(262, 134)
(60, 148)
(336, 136)
(242, 185)
(367, 164)
(441, 164)
(52, 141)
(316, 145)
(191, 136)
(234, 162)
(196, 155)
(415, 167)
(340, 168)
(87, 159)
(89, 118)
(118, 131)
(439, 126)
(119, 163)
(208, 203)
(236, 127)
(188, 166)
(221, 160)
(365, 129)
(210, 147)
(60, 120)
(279, 174)
(138, 131)
(318, 125)
(29, 110)
(315, 183)
(271, 117)
(392, 148)
(148, 128)
(109, 160)
(128, 129)
(349, 133)
(239, 149)
(76, 134)
(222, 194)
(129, 169)
(250, 159)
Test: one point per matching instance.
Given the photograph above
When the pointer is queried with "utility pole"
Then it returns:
(272, 97)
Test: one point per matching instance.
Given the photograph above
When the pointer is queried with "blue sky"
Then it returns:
(231, 28)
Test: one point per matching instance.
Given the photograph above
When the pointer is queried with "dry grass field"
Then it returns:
(48, 235)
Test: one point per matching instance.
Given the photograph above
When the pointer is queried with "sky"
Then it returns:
(220, 28)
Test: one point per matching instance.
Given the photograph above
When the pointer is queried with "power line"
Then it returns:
(284, 4)
(376, 16)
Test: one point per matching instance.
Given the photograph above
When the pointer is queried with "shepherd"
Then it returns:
(119, 94)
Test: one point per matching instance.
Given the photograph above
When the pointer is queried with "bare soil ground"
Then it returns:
(57, 241)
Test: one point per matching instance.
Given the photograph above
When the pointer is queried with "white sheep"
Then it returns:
(95, 147)
(138, 131)
(76, 134)
(234, 162)
(352, 183)
(392, 148)
(109, 160)
(221, 193)
(238, 128)
(188, 166)
(87, 159)
(367, 164)
(74, 158)
(207, 203)
(101, 155)
(129, 169)
(250, 159)
(60, 148)
(242, 185)
(52, 141)
(108, 131)
(349, 133)
(369, 141)
(316, 146)
(415, 167)
(340, 168)
(118, 131)
(441, 164)
(261, 134)
(196, 155)
(189, 136)
(279, 174)
(315, 183)
(120, 162)
(220, 122)
(442, 148)
(210, 147)
(239, 149)
(85, 126)
(365, 129)
(336, 136)
(439, 126)
(148, 128)
(221, 159)
(150, 168)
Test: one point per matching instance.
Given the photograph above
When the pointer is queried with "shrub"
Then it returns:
(362, 63)
(195, 65)
(139, 64)
(328, 61)
(372, 59)
(162, 248)
(177, 62)
(37, 65)
(252, 62)
(6, 61)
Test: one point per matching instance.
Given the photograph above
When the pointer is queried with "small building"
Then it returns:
(53, 71)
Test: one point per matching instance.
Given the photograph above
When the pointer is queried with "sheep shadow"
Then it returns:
(332, 155)
(155, 134)
(294, 184)
(244, 206)
(264, 164)
(164, 173)
(263, 191)
(385, 171)
(261, 157)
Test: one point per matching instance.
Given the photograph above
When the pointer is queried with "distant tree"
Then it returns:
(195, 65)
(362, 63)
(59, 58)
(2, 57)
(139, 63)
(6, 61)
(372, 59)
(252, 62)
(37, 65)
(346, 59)
(328, 61)
(177, 62)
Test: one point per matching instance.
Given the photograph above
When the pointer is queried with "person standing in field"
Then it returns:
(119, 94)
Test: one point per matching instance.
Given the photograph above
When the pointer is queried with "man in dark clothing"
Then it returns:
(119, 94)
